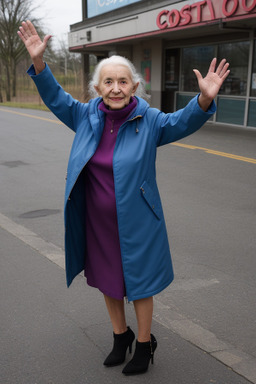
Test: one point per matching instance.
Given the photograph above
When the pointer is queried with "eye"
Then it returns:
(108, 82)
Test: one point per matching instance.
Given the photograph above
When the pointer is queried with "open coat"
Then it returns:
(146, 258)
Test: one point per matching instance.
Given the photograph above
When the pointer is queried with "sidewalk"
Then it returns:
(51, 334)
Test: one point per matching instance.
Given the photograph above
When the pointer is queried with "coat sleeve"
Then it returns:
(171, 127)
(62, 104)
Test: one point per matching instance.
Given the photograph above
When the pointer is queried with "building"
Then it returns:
(167, 39)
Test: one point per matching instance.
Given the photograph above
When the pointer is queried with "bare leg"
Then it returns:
(144, 313)
(145, 344)
(117, 314)
(123, 335)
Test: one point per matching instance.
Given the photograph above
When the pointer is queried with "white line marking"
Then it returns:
(240, 362)
(49, 250)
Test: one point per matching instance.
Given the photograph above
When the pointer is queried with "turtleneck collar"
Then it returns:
(119, 114)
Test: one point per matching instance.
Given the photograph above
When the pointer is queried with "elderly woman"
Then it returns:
(115, 228)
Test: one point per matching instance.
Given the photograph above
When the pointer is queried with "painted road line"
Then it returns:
(239, 361)
(45, 248)
(217, 153)
(31, 116)
(207, 150)
(167, 316)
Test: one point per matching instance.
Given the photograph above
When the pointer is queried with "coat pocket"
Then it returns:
(151, 198)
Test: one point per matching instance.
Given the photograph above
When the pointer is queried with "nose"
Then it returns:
(116, 88)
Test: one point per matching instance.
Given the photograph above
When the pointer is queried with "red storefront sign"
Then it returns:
(202, 11)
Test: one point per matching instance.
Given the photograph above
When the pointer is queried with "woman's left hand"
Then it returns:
(211, 83)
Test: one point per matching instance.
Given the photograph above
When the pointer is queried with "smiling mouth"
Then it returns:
(116, 98)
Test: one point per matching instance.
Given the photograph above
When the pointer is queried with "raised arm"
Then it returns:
(211, 83)
(177, 125)
(35, 46)
(62, 104)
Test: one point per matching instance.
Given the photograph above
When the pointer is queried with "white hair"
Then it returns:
(118, 60)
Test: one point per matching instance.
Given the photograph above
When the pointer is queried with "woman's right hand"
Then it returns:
(35, 46)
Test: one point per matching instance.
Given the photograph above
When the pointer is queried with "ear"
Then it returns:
(97, 89)
(135, 88)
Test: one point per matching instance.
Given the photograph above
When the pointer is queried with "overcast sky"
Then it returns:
(57, 15)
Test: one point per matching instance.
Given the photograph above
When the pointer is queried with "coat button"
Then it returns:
(153, 207)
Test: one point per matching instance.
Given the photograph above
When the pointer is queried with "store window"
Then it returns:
(252, 102)
(252, 114)
(253, 81)
(231, 109)
(231, 100)
(195, 57)
(237, 54)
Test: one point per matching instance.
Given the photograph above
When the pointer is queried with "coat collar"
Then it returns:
(97, 117)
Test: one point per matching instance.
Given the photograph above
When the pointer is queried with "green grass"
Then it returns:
(41, 107)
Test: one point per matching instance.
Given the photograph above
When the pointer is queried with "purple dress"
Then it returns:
(103, 263)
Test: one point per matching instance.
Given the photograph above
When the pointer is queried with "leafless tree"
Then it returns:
(12, 50)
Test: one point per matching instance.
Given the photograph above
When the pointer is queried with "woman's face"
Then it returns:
(116, 86)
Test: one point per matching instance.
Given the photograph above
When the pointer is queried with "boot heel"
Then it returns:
(130, 348)
(144, 352)
(152, 350)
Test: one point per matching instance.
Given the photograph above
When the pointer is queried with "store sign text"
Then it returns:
(203, 11)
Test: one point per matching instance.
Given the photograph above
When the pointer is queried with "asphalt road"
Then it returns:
(207, 316)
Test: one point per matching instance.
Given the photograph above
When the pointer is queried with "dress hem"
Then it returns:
(104, 292)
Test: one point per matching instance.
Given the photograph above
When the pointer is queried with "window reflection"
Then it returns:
(253, 80)
(237, 54)
(195, 57)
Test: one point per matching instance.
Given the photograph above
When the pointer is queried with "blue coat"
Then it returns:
(146, 258)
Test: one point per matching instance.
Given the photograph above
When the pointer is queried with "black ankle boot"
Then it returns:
(121, 343)
(144, 352)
